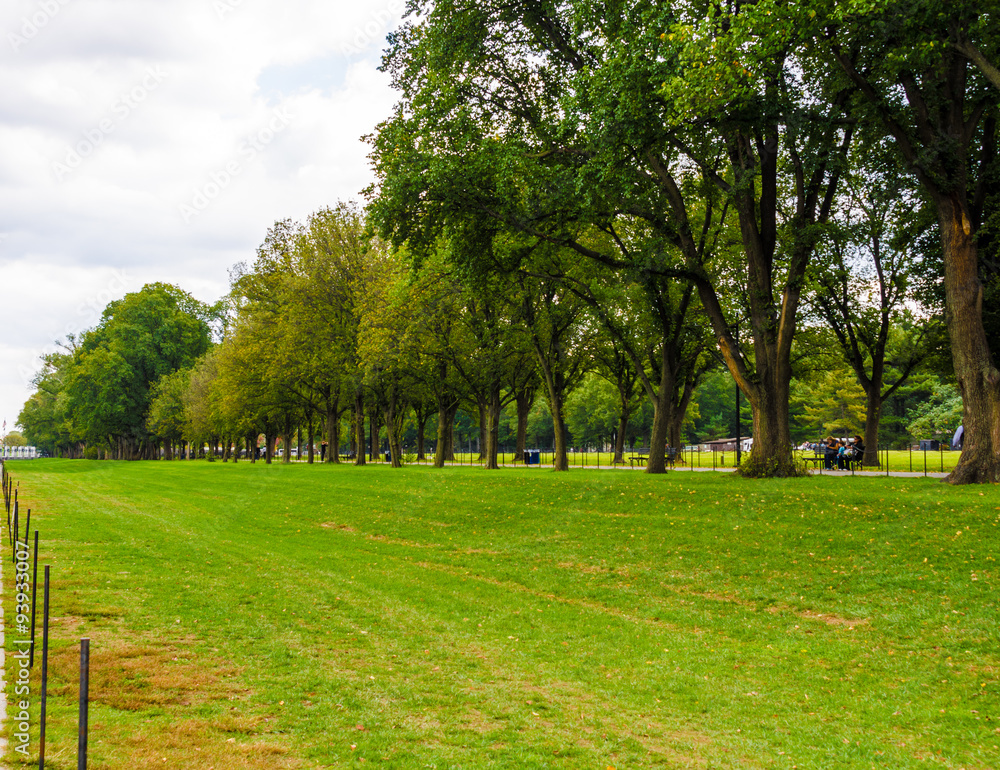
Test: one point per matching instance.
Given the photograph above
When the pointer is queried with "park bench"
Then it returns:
(817, 460)
(642, 456)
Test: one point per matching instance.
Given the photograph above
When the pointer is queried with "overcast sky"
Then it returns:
(143, 140)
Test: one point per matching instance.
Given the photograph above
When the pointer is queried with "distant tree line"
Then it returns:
(329, 337)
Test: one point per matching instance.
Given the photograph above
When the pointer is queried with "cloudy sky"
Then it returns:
(143, 141)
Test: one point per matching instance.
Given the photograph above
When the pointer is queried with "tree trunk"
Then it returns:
(331, 433)
(268, 447)
(656, 461)
(336, 434)
(445, 451)
(772, 443)
(873, 415)
(560, 462)
(354, 436)
(492, 433)
(449, 436)
(359, 428)
(442, 437)
(554, 390)
(978, 379)
(620, 439)
(286, 439)
(481, 405)
(393, 427)
(422, 416)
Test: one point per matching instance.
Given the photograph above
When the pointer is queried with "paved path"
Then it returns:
(685, 468)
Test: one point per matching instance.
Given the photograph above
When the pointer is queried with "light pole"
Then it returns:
(736, 334)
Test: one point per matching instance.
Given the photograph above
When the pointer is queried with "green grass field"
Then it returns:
(256, 616)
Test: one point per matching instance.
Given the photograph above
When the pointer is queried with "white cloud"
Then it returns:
(116, 114)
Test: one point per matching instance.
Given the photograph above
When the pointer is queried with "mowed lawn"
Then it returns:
(312, 616)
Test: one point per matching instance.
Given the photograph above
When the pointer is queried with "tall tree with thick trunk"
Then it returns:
(928, 80)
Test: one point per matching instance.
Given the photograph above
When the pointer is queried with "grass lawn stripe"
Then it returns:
(473, 619)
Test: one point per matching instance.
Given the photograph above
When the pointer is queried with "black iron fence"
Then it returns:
(25, 562)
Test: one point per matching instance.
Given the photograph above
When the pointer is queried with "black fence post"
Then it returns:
(81, 755)
(34, 599)
(45, 672)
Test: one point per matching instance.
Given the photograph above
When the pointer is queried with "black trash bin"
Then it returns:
(930, 445)
(532, 456)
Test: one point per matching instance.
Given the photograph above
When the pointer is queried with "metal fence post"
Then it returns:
(81, 755)
(34, 599)
(45, 672)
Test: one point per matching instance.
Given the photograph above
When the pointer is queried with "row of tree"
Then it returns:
(331, 336)
(717, 152)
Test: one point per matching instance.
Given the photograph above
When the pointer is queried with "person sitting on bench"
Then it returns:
(830, 449)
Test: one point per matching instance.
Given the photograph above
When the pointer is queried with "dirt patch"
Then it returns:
(729, 598)
(164, 679)
(588, 569)
(402, 542)
(833, 620)
(335, 525)
(821, 617)
(136, 676)
(201, 744)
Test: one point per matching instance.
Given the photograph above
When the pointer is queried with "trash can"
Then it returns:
(930, 445)
(532, 456)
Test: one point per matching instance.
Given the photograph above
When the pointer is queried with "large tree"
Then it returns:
(141, 338)
(928, 73)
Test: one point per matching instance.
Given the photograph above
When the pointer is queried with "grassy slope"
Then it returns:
(271, 617)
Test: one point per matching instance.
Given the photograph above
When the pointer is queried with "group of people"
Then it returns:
(840, 453)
